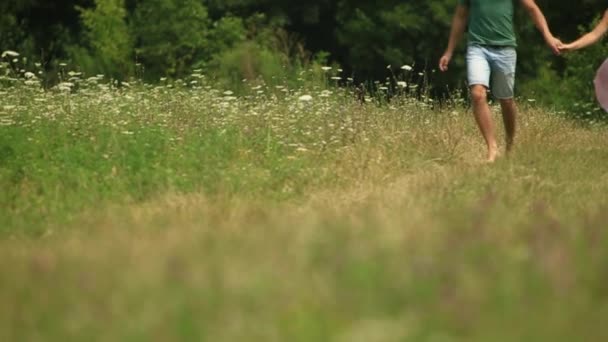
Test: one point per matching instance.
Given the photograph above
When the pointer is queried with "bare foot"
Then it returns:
(509, 147)
(492, 154)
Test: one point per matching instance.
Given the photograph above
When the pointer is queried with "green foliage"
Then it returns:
(171, 36)
(14, 34)
(231, 39)
(260, 52)
(226, 33)
(270, 56)
(247, 61)
(393, 32)
(578, 90)
(542, 87)
(108, 44)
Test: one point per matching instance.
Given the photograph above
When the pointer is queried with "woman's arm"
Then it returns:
(591, 37)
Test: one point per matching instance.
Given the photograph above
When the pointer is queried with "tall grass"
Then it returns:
(185, 212)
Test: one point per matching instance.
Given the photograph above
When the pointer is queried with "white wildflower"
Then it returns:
(6, 122)
(65, 86)
(305, 98)
(326, 93)
(10, 53)
(402, 84)
(29, 75)
(336, 78)
(325, 68)
(228, 93)
(406, 68)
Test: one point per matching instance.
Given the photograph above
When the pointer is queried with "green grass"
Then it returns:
(158, 213)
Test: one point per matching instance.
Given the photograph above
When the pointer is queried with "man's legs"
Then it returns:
(503, 62)
(483, 116)
(478, 75)
(509, 117)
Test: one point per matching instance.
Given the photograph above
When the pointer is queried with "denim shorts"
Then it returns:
(496, 64)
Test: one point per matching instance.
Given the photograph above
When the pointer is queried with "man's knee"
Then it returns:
(507, 103)
(479, 93)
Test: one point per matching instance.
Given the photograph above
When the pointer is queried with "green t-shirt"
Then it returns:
(491, 22)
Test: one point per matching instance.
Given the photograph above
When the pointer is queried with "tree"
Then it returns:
(170, 36)
(108, 44)
(374, 35)
(15, 35)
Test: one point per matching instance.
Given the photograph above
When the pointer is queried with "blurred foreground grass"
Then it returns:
(186, 213)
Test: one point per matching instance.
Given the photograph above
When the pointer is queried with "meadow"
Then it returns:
(184, 212)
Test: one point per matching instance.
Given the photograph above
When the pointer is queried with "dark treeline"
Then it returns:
(238, 39)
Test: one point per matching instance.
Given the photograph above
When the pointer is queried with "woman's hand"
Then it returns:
(566, 48)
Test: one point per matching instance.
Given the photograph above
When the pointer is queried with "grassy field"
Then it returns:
(185, 213)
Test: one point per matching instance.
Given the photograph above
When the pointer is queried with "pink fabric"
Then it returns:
(601, 85)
